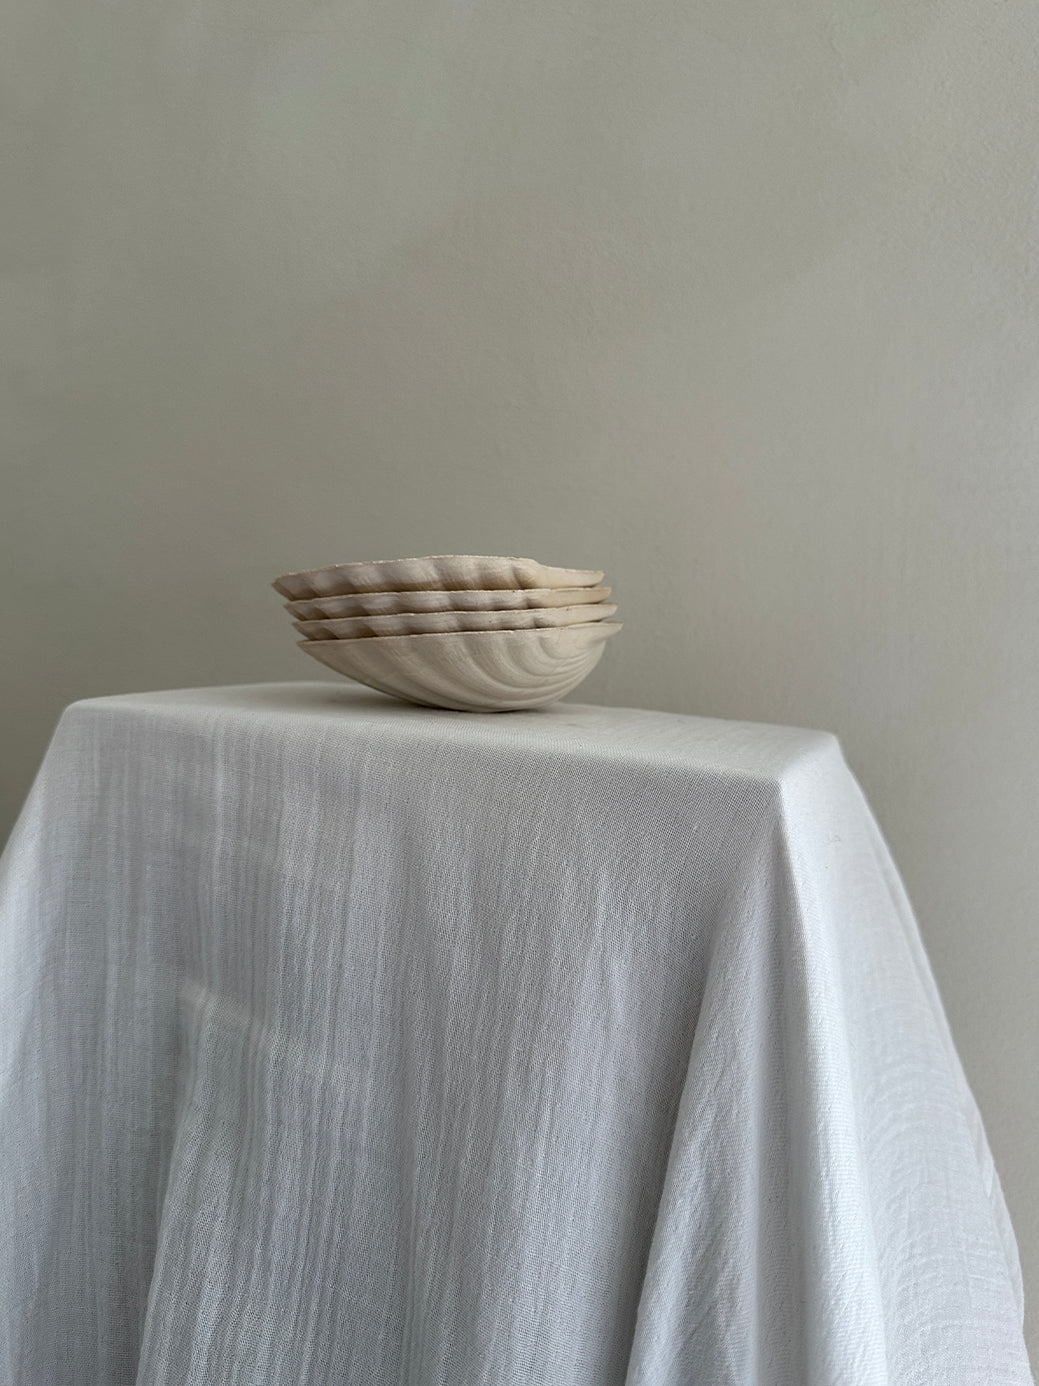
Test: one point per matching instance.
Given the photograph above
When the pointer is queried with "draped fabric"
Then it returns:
(348, 1043)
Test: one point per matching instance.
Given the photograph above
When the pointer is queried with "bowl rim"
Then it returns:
(593, 576)
(510, 613)
(433, 558)
(609, 627)
(447, 592)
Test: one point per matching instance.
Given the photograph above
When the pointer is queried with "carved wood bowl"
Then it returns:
(471, 671)
(434, 622)
(443, 571)
(461, 599)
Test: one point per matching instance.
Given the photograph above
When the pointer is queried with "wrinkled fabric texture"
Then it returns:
(343, 1041)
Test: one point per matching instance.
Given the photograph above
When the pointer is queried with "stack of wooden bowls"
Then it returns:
(475, 633)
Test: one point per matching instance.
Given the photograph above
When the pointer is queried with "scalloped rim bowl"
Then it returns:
(437, 622)
(439, 571)
(460, 599)
(471, 671)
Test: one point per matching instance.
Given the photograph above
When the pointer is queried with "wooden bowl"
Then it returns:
(427, 574)
(471, 671)
(461, 599)
(434, 622)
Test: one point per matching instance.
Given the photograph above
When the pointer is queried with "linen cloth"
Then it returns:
(350, 1042)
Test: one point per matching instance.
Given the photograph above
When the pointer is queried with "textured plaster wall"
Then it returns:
(738, 300)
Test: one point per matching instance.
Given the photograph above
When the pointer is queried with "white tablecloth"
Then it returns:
(345, 1042)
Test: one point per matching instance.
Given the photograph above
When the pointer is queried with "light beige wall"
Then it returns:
(736, 299)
